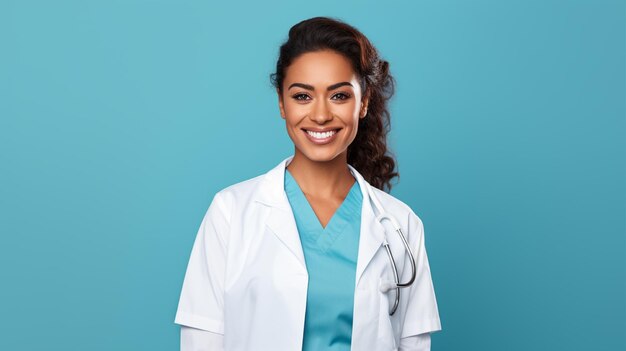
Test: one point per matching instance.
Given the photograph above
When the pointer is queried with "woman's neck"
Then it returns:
(322, 179)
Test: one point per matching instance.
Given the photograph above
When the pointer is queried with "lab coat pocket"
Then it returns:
(386, 334)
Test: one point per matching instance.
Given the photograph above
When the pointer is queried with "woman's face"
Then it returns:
(321, 104)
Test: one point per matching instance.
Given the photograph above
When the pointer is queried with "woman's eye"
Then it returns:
(300, 96)
(342, 96)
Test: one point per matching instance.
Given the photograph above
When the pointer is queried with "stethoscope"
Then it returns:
(386, 287)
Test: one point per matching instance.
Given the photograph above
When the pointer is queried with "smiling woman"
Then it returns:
(299, 258)
(324, 112)
(332, 71)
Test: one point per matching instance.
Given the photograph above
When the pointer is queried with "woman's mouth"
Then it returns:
(321, 138)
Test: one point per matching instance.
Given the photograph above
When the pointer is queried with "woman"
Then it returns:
(294, 258)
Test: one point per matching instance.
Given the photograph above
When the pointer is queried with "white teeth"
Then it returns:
(324, 135)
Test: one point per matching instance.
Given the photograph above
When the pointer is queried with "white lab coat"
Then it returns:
(247, 280)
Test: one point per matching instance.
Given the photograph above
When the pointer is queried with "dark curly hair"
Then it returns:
(368, 152)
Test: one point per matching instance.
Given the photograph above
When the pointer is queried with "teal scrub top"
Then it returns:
(330, 254)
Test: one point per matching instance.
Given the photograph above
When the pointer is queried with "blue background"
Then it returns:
(121, 119)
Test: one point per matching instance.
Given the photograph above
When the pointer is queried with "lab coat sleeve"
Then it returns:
(192, 339)
(421, 315)
(419, 342)
(201, 303)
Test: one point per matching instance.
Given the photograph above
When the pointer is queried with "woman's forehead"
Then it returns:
(321, 68)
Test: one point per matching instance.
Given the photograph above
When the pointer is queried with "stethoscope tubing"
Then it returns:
(382, 216)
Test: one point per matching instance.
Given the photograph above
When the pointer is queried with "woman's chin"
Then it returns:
(320, 154)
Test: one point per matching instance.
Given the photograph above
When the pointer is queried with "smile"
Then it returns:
(321, 137)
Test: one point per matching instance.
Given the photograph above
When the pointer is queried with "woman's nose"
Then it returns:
(321, 112)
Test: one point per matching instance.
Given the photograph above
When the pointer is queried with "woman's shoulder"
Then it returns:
(397, 207)
(244, 186)
(241, 191)
(261, 187)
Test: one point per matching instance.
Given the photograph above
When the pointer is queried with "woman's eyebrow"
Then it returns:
(310, 87)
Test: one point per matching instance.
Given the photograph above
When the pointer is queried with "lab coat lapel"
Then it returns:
(372, 231)
(281, 220)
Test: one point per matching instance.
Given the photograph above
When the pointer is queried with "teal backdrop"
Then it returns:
(119, 120)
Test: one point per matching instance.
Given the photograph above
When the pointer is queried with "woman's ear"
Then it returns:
(364, 103)
(281, 106)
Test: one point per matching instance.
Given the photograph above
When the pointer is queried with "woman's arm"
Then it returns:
(419, 342)
(201, 302)
(192, 339)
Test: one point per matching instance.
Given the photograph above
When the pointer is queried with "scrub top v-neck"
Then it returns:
(330, 253)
